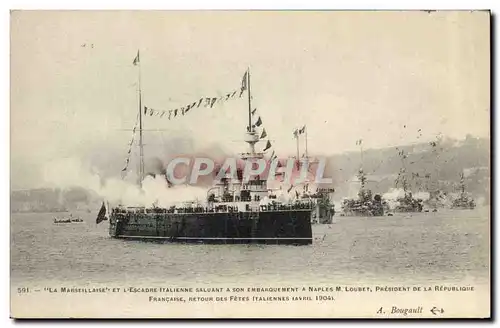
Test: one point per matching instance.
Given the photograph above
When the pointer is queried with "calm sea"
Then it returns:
(424, 247)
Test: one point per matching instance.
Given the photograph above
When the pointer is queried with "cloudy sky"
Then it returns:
(376, 76)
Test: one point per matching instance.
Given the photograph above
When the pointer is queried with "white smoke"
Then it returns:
(481, 201)
(70, 172)
(469, 171)
(280, 191)
(393, 194)
(423, 195)
(283, 196)
(265, 201)
(353, 191)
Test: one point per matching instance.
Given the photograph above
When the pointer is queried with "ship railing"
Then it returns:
(216, 209)
(286, 207)
(251, 155)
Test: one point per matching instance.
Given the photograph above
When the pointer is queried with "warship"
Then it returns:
(463, 201)
(320, 198)
(437, 199)
(323, 208)
(232, 214)
(366, 204)
(407, 203)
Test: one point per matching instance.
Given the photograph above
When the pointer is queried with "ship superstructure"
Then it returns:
(366, 204)
(463, 201)
(321, 198)
(407, 203)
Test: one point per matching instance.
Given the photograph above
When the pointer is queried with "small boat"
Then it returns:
(70, 219)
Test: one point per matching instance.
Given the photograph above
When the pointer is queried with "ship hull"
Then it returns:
(288, 227)
(362, 214)
(458, 207)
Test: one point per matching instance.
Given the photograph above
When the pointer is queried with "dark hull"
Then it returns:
(360, 214)
(287, 227)
(371, 211)
(324, 220)
(408, 209)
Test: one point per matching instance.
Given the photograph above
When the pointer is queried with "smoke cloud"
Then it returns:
(393, 194)
(70, 172)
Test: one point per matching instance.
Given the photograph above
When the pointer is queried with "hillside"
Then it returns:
(52, 200)
(429, 166)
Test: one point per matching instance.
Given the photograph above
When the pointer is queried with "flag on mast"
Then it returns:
(101, 216)
(259, 122)
(136, 59)
(244, 82)
(268, 145)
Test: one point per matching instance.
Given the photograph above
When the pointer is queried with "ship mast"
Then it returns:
(306, 157)
(252, 137)
(402, 172)
(361, 176)
(297, 137)
(141, 146)
(250, 127)
(306, 140)
(462, 183)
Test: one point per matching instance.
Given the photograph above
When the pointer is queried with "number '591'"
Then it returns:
(23, 290)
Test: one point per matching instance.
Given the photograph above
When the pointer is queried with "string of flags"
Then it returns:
(263, 134)
(244, 83)
(136, 59)
(273, 156)
(205, 102)
(127, 160)
(268, 145)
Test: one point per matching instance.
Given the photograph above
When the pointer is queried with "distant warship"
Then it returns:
(407, 203)
(463, 201)
(437, 196)
(323, 208)
(437, 199)
(366, 204)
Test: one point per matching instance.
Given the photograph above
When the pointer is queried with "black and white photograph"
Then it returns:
(250, 164)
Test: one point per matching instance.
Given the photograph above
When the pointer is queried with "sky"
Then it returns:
(376, 76)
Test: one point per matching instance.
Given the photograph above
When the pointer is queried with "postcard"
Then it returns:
(250, 164)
